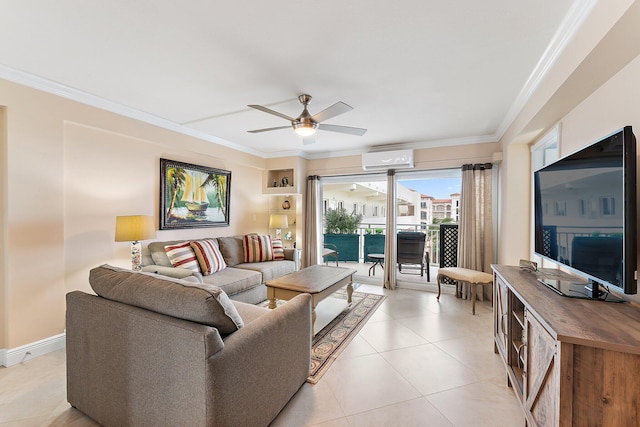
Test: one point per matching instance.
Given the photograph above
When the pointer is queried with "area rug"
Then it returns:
(336, 336)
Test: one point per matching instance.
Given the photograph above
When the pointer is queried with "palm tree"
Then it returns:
(176, 178)
(219, 183)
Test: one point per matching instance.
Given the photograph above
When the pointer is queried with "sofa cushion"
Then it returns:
(233, 279)
(209, 257)
(257, 248)
(270, 269)
(176, 273)
(196, 302)
(231, 248)
(278, 249)
(158, 254)
(182, 256)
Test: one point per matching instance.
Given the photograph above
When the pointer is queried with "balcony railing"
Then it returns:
(432, 244)
(558, 241)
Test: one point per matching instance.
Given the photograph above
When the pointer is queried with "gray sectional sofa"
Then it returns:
(149, 350)
(242, 281)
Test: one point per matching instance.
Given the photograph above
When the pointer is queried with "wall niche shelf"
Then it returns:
(293, 233)
(280, 181)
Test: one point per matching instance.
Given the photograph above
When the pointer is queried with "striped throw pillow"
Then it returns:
(209, 256)
(257, 248)
(182, 256)
(278, 249)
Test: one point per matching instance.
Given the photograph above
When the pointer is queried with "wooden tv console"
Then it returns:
(570, 361)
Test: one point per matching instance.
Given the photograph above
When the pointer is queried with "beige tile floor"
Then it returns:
(417, 362)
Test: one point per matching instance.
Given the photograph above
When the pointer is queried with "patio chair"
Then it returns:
(330, 250)
(411, 251)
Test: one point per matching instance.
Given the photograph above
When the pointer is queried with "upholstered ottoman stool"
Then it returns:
(472, 277)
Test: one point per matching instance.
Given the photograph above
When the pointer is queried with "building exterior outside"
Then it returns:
(439, 209)
(368, 199)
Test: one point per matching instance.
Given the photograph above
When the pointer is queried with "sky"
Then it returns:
(439, 188)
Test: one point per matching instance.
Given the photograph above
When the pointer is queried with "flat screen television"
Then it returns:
(585, 215)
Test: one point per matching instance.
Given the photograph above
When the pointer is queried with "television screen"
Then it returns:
(585, 211)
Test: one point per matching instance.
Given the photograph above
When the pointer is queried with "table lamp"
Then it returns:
(133, 228)
(278, 222)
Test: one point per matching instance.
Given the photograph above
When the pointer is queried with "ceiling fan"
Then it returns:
(306, 125)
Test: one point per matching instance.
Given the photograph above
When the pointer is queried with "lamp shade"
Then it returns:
(133, 228)
(278, 221)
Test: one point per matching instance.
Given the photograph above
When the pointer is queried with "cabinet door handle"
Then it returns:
(502, 327)
(520, 347)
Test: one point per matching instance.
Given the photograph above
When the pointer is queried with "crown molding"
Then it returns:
(58, 89)
(573, 20)
(436, 143)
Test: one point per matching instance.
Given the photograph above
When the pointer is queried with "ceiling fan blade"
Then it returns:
(332, 111)
(342, 129)
(268, 129)
(306, 140)
(270, 111)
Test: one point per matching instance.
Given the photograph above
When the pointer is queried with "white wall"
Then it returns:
(515, 205)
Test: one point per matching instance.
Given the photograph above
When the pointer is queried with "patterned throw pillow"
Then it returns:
(209, 256)
(257, 248)
(182, 256)
(278, 249)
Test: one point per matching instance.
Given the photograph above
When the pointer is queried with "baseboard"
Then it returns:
(26, 352)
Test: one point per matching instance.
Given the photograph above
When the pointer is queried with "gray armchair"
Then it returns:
(146, 353)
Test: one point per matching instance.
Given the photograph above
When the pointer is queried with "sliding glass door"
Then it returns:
(438, 202)
(423, 201)
(363, 197)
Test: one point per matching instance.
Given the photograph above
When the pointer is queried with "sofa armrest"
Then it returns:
(270, 356)
(130, 366)
(176, 273)
(293, 254)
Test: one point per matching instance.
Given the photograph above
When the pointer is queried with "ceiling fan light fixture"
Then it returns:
(305, 129)
(305, 125)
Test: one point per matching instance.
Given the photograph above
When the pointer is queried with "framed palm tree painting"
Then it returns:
(193, 196)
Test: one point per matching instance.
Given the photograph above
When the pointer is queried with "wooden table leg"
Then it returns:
(313, 319)
(349, 291)
(271, 294)
(313, 316)
(473, 297)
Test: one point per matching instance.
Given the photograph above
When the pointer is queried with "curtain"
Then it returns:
(313, 222)
(475, 234)
(390, 241)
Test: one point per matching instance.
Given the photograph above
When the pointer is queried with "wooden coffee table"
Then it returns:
(318, 280)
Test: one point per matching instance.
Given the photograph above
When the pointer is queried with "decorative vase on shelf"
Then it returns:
(286, 205)
(285, 181)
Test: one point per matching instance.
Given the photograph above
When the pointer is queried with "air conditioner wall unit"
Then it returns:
(383, 160)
